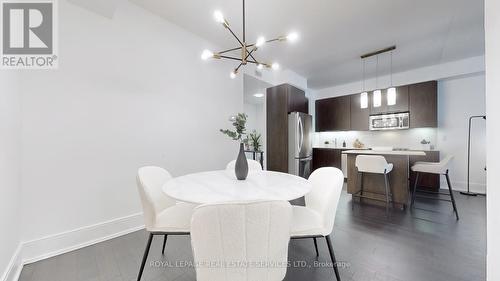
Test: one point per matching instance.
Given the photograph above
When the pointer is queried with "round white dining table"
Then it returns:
(222, 186)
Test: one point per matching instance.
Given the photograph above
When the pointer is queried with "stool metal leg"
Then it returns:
(362, 183)
(386, 195)
(414, 193)
(451, 195)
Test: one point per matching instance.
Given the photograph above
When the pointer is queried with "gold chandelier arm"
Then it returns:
(230, 50)
(234, 35)
(250, 55)
(238, 59)
(281, 38)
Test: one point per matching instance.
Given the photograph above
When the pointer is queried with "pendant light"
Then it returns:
(377, 94)
(391, 92)
(364, 94)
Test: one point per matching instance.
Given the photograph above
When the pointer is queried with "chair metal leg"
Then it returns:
(332, 255)
(386, 195)
(316, 246)
(451, 195)
(164, 243)
(414, 193)
(145, 257)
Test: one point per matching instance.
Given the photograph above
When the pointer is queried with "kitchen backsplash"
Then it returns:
(410, 139)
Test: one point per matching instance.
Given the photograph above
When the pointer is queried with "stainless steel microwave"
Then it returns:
(394, 121)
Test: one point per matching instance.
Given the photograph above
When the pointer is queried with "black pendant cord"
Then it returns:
(468, 193)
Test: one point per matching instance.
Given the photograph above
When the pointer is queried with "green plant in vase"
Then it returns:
(255, 140)
(239, 124)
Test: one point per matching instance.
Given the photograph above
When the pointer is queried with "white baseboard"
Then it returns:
(53, 245)
(14, 267)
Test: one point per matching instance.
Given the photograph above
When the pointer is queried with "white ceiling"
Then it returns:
(334, 33)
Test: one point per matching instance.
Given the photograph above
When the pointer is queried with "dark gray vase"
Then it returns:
(241, 167)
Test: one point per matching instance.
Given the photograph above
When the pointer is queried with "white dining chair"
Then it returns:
(317, 217)
(374, 164)
(252, 165)
(438, 168)
(241, 241)
(162, 214)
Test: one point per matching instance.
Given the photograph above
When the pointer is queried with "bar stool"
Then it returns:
(439, 168)
(375, 164)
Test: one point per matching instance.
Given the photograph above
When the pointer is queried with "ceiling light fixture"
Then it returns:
(377, 94)
(246, 50)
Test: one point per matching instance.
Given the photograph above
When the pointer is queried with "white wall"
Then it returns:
(10, 154)
(458, 99)
(492, 26)
(461, 93)
(130, 91)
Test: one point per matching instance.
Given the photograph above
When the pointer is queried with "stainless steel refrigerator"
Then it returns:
(299, 144)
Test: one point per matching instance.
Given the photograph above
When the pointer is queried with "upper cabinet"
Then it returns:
(297, 101)
(359, 116)
(333, 114)
(423, 104)
(345, 113)
(400, 105)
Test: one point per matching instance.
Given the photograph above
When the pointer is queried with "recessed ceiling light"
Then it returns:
(258, 95)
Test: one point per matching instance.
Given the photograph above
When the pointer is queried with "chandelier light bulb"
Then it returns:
(260, 41)
(219, 17)
(275, 66)
(292, 37)
(206, 54)
(232, 75)
(260, 66)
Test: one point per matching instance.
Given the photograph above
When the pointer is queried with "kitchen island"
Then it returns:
(374, 184)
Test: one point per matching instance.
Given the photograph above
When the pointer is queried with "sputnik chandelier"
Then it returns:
(246, 50)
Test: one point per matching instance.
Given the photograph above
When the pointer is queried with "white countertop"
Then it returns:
(391, 152)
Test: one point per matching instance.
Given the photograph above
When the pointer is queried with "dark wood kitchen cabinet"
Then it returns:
(423, 104)
(428, 182)
(359, 116)
(281, 100)
(402, 102)
(333, 114)
(326, 157)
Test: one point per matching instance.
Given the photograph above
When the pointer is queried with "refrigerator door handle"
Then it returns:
(301, 129)
(305, 159)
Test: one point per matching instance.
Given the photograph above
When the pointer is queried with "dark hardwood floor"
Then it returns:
(427, 244)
